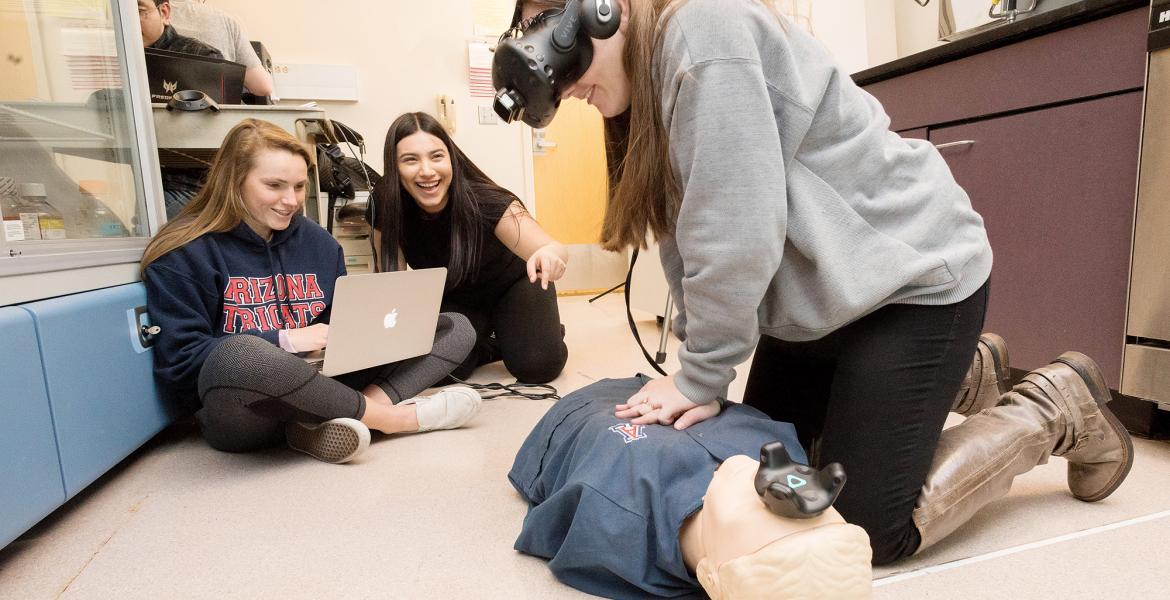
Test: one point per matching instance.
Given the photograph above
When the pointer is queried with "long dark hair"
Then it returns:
(470, 192)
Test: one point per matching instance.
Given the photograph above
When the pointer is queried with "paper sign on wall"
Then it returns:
(479, 62)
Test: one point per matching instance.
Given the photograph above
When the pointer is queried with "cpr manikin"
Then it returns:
(740, 549)
(629, 511)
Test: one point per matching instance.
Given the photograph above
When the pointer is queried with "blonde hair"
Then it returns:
(219, 205)
(644, 193)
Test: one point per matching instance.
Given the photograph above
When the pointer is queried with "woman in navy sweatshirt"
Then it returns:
(240, 282)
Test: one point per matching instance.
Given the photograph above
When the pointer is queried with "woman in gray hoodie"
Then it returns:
(794, 224)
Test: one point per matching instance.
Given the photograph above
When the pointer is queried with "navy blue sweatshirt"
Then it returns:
(234, 282)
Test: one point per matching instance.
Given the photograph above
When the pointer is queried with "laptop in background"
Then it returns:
(380, 318)
(169, 72)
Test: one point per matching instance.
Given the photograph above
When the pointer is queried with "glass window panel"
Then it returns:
(68, 169)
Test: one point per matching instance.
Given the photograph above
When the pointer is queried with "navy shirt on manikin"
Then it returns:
(607, 498)
(427, 243)
(234, 282)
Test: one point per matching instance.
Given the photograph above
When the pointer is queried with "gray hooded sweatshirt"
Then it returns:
(801, 212)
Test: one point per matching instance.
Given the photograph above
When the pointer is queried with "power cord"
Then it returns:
(630, 318)
(529, 391)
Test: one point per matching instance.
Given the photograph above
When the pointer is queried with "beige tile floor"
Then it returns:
(433, 516)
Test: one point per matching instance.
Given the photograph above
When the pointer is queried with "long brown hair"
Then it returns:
(644, 194)
(219, 205)
(469, 197)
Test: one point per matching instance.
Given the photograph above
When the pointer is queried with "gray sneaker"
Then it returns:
(334, 441)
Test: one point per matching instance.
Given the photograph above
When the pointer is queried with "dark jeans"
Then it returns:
(523, 328)
(873, 396)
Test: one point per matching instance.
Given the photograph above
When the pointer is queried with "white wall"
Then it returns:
(406, 54)
(859, 33)
(917, 26)
(840, 25)
(881, 31)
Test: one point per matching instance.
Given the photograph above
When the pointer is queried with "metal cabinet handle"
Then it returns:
(954, 144)
(146, 332)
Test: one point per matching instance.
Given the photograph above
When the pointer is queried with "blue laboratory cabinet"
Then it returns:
(78, 395)
(99, 376)
(30, 472)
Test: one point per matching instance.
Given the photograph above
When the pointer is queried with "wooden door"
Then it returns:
(569, 178)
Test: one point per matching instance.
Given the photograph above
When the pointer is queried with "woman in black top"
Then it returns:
(435, 208)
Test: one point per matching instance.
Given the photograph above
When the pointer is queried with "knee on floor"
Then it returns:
(536, 365)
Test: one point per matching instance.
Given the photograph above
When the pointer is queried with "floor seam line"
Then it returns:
(932, 569)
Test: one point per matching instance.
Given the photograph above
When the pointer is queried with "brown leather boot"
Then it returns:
(1058, 410)
(1100, 451)
(987, 378)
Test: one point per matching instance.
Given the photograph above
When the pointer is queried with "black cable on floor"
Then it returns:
(529, 391)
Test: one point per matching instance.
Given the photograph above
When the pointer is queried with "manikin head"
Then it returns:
(739, 549)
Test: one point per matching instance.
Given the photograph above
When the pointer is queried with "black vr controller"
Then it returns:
(536, 60)
(793, 490)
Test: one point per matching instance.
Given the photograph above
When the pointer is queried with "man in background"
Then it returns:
(155, 18)
(221, 30)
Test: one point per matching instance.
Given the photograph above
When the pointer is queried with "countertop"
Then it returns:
(1010, 33)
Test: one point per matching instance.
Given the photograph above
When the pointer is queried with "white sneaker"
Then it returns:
(447, 409)
(334, 441)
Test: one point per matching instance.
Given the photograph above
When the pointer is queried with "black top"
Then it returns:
(171, 40)
(427, 243)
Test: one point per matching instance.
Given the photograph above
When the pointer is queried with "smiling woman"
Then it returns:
(436, 208)
(222, 283)
(274, 191)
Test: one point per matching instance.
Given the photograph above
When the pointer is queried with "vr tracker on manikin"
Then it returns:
(537, 59)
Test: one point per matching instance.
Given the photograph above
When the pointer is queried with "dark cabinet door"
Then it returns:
(1055, 188)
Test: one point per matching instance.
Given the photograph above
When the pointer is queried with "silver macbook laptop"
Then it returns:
(380, 318)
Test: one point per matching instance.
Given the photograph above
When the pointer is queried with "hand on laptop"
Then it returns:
(308, 339)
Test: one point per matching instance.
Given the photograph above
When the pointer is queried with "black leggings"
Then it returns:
(873, 396)
(250, 388)
(527, 329)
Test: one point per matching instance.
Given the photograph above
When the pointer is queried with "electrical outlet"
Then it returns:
(487, 116)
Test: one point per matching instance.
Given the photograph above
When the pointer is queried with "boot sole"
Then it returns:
(999, 358)
(1089, 371)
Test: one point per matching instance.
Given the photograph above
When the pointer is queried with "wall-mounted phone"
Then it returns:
(447, 113)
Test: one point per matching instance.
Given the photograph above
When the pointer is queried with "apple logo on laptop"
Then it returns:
(391, 319)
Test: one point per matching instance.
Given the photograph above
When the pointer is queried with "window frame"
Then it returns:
(22, 258)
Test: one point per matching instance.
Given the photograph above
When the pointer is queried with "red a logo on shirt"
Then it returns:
(629, 431)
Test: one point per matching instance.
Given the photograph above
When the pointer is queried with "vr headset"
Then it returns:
(538, 58)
